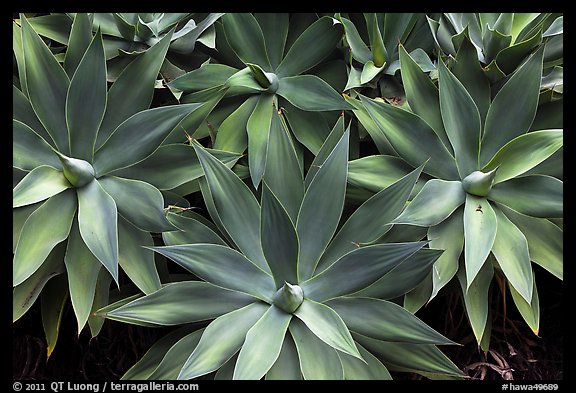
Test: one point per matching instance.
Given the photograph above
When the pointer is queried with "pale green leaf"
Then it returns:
(287, 366)
(30, 150)
(310, 93)
(53, 299)
(258, 129)
(39, 184)
(246, 39)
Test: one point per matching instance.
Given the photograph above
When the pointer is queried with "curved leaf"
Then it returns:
(287, 366)
(25, 294)
(461, 121)
(86, 101)
(412, 138)
(136, 261)
(176, 356)
(326, 148)
(182, 302)
(533, 195)
(530, 311)
(221, 340)
(143, 132)
(354, 369)
(191, 230)
(79, 40)
(524, 153)
(52, 301)
(511, 250)
(310, 93)
(279, 239)
(231, 134)
(30, 150)
(98, 223)
(327, 325)
(39, 184)
(23, 112)
(47, 85)
(82, 268)
(246, 39)
(41, 232)
(359, 50)
(385, 321)
(510, 113)
(19, 217)
(480, 224)
(138, 202)
(101, 296)
(545, 240)
(318, 360)
(375, 260)
(376, 172)
(318, 216)
(263, 344)
(204, 77)
(309, 128)
(258, 129)
(132, 92)
(447, 236)
(361, 228)
(437, 200)
(214, 263)
(275, 30)
(228, 192)
(311, 47)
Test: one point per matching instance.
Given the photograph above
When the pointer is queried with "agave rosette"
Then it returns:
(286, 297)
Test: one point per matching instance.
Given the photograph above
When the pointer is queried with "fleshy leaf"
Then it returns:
(39, 184)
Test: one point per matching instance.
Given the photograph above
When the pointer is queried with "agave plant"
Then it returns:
(272, 76)
(384, 32)
(288, 300)
(487, 197)
(502, 40)
(71, 137)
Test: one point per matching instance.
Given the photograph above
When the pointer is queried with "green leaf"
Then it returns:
(137, 261)
(283, 173)
(275, 30)
(412, 138)
(310, 93)
(354, 369)
(23, 112)
(191, 230)
(448, 236)
(461, 121)
(287, 366)
(311, 47)
(25, 294)
(309, 128)
(214, 263)
(327, 325)
(509, 58)
(376, 172)
(476, 298)
(246, 39)
(143, 132)
(30, 150)
(379, 52)
(53, 299)
(369, 72)
(19, 217)
(361, 228)
(319, 216)
(533, 195)
(182, 302)
(480, 224)
(410, 357)
(318, 360)
(263, 344)
(258, 129)
(493, 42)
(47, 85)
(328, 145)
(98, 223)
(138, 202)
(174, 359)
(101, 297)
(545, 240)
(86, 101)
(385, 321)
(204, 77)
(524, 152)
(359, 49)
(173, 165)
(41, 232)
(56, 27)
(437, 200)
(221, 340)
(422, 95)
(404, 277)
(79, 41)
(375, 260)
(82, 268)
(397, 27)
(510, 113)
(511, 250)
(18, 50)
(228, 191)
(231, 134)
(279, 239)
(132, 92)
(530, 311)
(148, 363)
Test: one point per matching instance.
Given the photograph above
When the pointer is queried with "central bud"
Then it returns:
(289, 298)
(77, 172)
(479, 183)
(267, 80)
